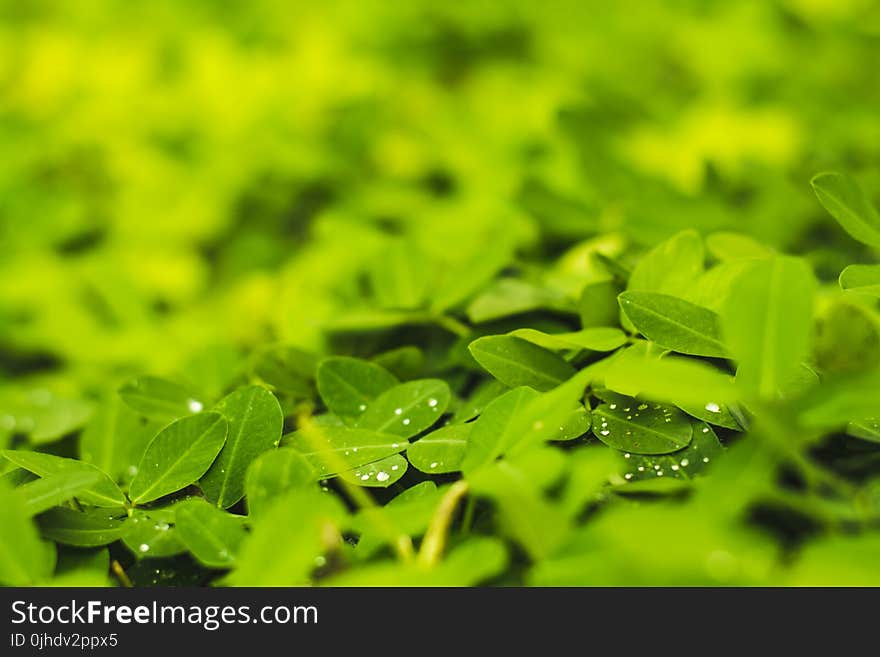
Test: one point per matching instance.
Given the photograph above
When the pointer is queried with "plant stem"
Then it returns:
(121, 575)
(435, 538)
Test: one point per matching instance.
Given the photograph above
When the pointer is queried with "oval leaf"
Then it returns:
(516, 362)
(103, 493)
(407, 409)
(864, 279)
(160, 399)
(211, 535)
(846, 202)
(255, 421)
(641, 428)
(178, 455)
(50, 491)
(274, 473)
(674, 323)
(441, 451)
(767, 323)
(378, 474)
(90, 528)
(348, 385)
(333, 449)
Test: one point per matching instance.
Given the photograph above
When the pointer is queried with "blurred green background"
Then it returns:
(180, 175)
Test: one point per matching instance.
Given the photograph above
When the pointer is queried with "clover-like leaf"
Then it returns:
(160, 399)
(517, 362)
(641, 427)
(177, 456)
(674, 323)
(254, 420)
(348, 385)
(407, 409)
(442, 450)
(104, 492)
(212, 535)
(847, 202)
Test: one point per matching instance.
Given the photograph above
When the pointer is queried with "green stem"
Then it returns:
(435, 538)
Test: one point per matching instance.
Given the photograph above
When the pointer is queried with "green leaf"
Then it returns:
(399, 277)
(104, 493)
(848, 203)
(286, 370)
(575, 425)
(470, 563)
(348, 385)
(495, 431)
(641, 427)
(83, 568)
(532, 521)
(674, 323)
(287, 539)
(152, 534)
(51, 491)
(44, 417)
(457, 283)
(516, 362)
(273, 473)
(867, 429)
(210, 534)
(510, 296)
(597, 305)
(115, 438)
(378, 474)
(408, 514)
(24, 559)
(407, 409)
(178, 455)
(726, 247)
(593, 339)
(441, 451)
(90, 528)
(767, 323)
(836, 402)
(334, 449)
(254, 418)
(160, 399)
(864, 279)
(672, 379)
(671, 267)
(682, 464)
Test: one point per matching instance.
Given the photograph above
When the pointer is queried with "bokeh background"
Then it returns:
(187, 178)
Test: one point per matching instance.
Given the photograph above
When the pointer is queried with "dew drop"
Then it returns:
(195, 406)
(712, 407)
(641, 468)
(432, 403)
(656, 467)
(705, 429)
(406, 421)
(612, 406)
(434, 464)
(642, 407)
(144, 547)
(382, 476)
(628, 475)
(705, 459)
(674, 467)
(394, 467)
(659, 473)
(362, 407)
(627, 455)
(364, 477)
(685, 463)
(605, 432)
(398, 411)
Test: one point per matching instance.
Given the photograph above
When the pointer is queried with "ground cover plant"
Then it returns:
(492, 294)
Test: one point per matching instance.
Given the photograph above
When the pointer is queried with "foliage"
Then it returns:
(439, 293)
